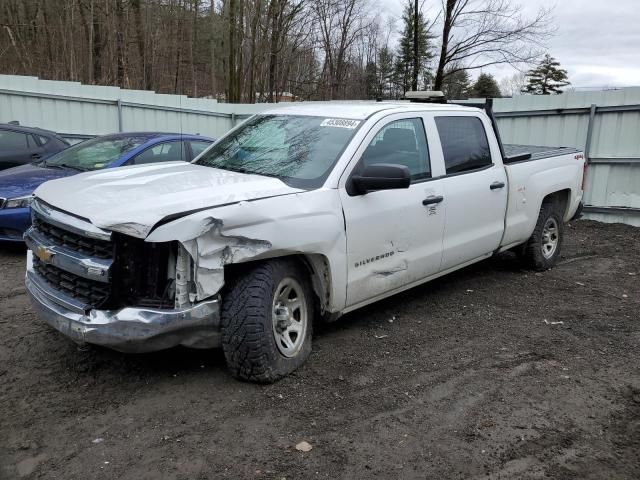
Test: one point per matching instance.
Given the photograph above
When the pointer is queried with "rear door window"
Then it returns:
(163, 152)
(32, 142)
(10, 140)
(197, 147)
(464, 143)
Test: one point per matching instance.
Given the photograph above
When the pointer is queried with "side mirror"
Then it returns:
(381, 176)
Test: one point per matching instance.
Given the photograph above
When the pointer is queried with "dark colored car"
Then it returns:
(18, 184)
(22, 145)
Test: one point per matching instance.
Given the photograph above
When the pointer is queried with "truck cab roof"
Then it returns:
(363, 110)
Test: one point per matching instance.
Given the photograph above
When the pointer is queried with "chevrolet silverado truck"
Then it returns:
(300, 214)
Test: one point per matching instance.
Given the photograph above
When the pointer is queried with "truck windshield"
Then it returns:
(95, 153)
(299, 150)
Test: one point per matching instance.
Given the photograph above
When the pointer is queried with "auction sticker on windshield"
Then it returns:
(340, 123)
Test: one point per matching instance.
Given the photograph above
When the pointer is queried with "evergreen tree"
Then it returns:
(371, 77)
(404, 65)
(456, 85)
(385, 72)
(547, 78)
(486, 87)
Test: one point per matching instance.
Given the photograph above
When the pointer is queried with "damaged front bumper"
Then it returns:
(131, 330)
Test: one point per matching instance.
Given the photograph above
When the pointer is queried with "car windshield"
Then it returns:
(95, 153)
(299, 150)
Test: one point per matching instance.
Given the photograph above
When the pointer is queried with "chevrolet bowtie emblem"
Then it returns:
(43, 253)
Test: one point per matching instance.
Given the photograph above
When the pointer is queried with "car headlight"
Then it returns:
(19, 202)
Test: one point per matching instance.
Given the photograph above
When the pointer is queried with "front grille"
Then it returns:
(90, 292)
(64, 238)
(86, 291)
(138, 272)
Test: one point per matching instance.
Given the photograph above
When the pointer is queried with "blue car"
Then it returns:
(18, 184)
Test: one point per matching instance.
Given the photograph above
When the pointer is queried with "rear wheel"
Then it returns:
(542, 250)
(267, 317)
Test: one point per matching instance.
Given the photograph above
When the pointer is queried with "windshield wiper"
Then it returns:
(63, 165)
(72, 167)
(49, 165)
(248, 172)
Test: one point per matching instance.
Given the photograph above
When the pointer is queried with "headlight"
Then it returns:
(18, 202)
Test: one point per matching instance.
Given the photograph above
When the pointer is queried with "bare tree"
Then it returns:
(510, 86)
(238, 50)
(340, 22)
(479, 33)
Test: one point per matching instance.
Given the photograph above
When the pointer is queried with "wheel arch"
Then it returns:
(317, 267)
(560, 199)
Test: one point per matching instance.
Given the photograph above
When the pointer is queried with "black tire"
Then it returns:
(248, 337)
(532, 252)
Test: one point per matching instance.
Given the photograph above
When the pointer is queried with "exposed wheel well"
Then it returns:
(315, 264)
(560, 199)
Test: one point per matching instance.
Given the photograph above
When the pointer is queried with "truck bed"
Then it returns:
(537, 152)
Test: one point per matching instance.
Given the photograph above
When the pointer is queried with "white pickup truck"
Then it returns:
(299, 214)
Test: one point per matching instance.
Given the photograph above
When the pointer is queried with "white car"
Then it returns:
(298, 215)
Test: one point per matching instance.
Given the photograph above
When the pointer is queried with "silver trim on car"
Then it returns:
(53, 295)
(85, 266)
(63, 220)
(132, 330)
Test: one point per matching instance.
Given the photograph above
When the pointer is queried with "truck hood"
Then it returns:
(133, 199)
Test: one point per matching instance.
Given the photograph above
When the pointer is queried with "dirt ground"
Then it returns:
(492, 372)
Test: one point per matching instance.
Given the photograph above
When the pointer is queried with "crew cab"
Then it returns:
(298, 215)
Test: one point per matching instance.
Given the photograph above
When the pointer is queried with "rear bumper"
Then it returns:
(13, 223)
(132, 330)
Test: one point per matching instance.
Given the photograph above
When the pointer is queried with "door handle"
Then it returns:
(430, 200)
(36, 156)
(496, 185)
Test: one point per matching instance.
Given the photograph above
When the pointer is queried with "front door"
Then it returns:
(394, 237)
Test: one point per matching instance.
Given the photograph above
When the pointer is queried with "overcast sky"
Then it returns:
(596, 41)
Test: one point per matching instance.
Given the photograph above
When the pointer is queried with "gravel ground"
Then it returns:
(491, 372)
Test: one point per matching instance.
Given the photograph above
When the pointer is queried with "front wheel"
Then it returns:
(267, 317)
(542, 250)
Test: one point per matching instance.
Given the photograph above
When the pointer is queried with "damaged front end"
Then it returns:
(142, 286)
(209, 250)
(106, 288)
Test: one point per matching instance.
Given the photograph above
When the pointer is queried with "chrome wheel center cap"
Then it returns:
(282, 316)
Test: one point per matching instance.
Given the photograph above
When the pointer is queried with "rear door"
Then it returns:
(198, 146)
(475, 188)
(17, 148)
(170, 151)
(393, 238)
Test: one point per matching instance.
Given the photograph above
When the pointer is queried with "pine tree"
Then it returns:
(385, 72)
(547, 78)
(486, 87)
(456, 85)
(371, 77)
(404, 65)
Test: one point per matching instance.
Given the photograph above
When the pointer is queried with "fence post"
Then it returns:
(119, 105)
(587, 146)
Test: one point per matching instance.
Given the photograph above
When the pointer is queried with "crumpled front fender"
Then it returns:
(310, 223)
